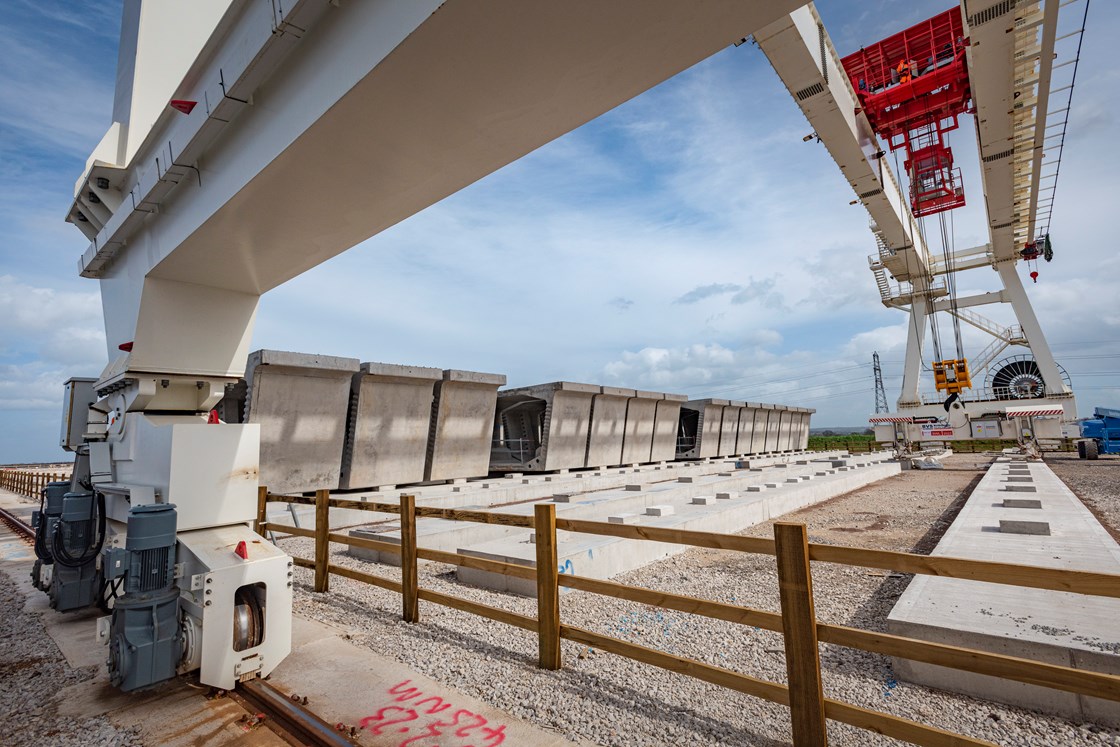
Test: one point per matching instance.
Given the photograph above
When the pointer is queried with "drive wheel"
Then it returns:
(1080, 449)
(248, 620)
(1091, 450)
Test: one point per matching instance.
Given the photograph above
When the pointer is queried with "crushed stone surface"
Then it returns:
(32, 673)
(598, 698)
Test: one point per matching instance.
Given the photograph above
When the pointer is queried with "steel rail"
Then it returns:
(292, 718)
(17, 525)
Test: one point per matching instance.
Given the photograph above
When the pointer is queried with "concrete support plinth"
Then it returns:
(390, 414)
(300, 401)
(462, 425)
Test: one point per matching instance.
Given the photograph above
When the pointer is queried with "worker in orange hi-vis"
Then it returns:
(903, 71)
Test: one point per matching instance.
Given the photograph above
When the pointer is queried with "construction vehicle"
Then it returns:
(1100, 434)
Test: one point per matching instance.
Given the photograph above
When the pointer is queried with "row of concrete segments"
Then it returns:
(333, 422)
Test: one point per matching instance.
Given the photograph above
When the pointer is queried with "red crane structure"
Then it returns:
(912, 87)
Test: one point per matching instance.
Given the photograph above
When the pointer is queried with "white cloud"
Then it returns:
(60, 331)
(702, 186)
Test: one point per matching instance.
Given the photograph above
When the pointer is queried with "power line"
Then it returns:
(746, 380)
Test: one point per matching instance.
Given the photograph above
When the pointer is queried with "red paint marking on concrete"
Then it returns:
(462, 728)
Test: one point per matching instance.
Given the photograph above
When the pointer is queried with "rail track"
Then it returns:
(289, 718)
(13, 522)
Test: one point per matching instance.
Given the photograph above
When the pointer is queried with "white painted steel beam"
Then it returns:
(980, 299)
(1010, 60)
(1032, 330)
(802, 54)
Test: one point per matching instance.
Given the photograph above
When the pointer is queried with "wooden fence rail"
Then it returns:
(28, 482)
(797, 622)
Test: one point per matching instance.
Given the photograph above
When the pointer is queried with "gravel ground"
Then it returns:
(1095, 482)
(608, 700)
(32, 672)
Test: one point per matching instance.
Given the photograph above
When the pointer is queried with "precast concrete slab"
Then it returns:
(641, 417)
(498, 492)
(300, 401)
(608, 427)
(758, 432)
(351, 684)
(542, 428)
(729, 428)
(1050, 626)
(597, 556)
(745, 432)
(701, 423)
(803, 437)
(773, 428)
(462, 425)
(595, 505)
(785, 429)
(387, 428)
(666, 426)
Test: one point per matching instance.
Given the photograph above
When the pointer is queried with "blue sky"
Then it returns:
(686, 241)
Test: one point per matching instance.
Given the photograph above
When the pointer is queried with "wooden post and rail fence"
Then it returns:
(802, 632)
(28, 482)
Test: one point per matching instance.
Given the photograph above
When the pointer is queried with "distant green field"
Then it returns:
(860, 443)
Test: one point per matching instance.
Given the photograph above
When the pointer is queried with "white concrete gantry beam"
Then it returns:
(803, 56)
(319, 129)
(1010, 59)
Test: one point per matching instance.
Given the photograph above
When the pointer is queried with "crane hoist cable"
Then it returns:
(934, 331)
(910, 271)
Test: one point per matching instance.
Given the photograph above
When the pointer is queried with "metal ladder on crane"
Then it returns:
(1004, 336)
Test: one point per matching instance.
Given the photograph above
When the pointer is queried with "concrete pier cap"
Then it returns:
(462, 424)
(300, 401)
(387, 430)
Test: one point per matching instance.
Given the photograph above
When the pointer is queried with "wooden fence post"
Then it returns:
(799, 625)
(410, 578)
(262, 508)
(548, 589)
(322, 544)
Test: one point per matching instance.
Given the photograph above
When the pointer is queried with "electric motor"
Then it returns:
(74, 543)
(145, 640)
(43, 521)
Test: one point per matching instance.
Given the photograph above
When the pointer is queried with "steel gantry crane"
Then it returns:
(993, 59)
(252, 141)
